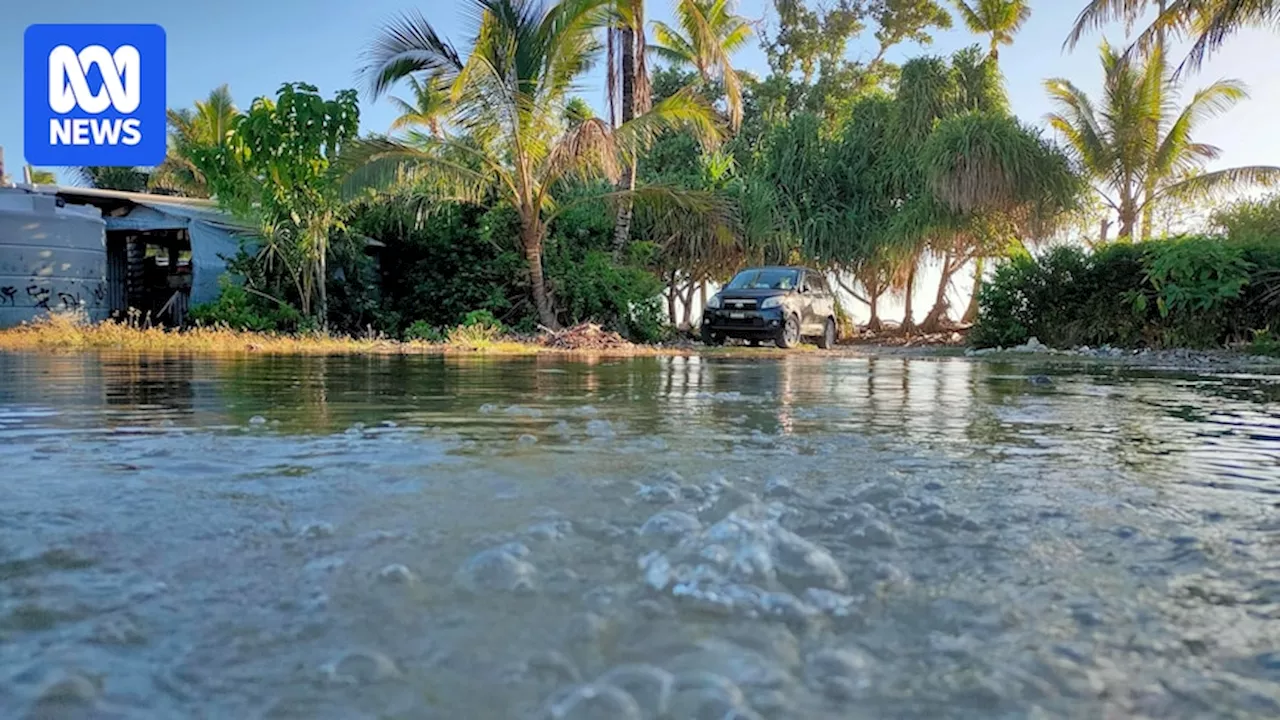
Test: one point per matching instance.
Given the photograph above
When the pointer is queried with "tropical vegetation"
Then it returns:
(498, 189)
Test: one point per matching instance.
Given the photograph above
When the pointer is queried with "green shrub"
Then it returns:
(478, 328)
(1250, 222)
(423, 331)
(238, 309)
(439, 263)
(1265, 343)
(483, 319)
(1179, 292)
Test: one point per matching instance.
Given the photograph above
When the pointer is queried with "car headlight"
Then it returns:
(714, 302)
(771, 302)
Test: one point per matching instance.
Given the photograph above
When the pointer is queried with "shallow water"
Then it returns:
(798, 537)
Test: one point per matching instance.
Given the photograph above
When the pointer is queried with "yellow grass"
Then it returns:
(71, 332)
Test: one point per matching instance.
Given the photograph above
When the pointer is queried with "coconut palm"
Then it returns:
(127, 179)
(1208, 23)
(999, 19)
(709, 33)
(41, 177)
(509, 92)
(430, 103)
(1138, 147)
(207, 124)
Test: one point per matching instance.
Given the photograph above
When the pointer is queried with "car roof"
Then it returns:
(779, 267)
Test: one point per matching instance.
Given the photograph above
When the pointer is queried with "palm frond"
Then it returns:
(381, 164)
(1222, 183)
(408, 45)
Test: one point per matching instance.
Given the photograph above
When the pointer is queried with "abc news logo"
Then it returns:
(94, 95)
(69, 89)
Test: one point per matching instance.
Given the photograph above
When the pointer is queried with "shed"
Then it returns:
(162, 253)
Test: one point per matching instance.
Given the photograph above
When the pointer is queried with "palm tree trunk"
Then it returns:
(971, 313)
(531, 237)
(622, 224)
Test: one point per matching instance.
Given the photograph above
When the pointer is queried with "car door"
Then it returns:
(823, 304)
(807, 294)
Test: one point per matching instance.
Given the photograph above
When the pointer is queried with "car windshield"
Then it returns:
(775, 279)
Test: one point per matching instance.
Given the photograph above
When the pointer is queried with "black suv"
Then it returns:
(782, 304)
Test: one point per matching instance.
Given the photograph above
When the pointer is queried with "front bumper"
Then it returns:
(743, 323)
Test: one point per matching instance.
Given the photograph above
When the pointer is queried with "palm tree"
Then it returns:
(709, 34)
(208, 124)
(629, 95)
(127, 179)
(576, 112)
(1000, 19)
(1138, 147)
(430, 103)
(1208, 23)
(510, 92)
(41, 177)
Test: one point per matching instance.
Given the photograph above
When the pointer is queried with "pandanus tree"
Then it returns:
(509, 91)
(998, 19)
(706, 38)
(1138, 146)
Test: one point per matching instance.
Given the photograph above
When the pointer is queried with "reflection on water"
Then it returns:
(796, 537)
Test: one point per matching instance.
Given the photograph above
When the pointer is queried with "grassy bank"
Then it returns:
(69, 333)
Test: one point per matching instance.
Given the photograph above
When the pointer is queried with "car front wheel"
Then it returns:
(709, 338)
(828, 338)
(789, 336)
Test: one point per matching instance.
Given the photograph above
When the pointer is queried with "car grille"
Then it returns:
(731, 304)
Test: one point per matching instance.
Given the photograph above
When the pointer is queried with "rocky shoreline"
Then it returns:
(1034, 350)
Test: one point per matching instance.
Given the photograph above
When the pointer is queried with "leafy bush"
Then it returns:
(478, 328)
(1183, 292)
(1250, 222)
(423, 331)
(238, 309)
(1265, 342)
(590, 286)
(483, 319)
(439, 263)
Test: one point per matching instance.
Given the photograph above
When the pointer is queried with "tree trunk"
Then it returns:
(671, 298)
(908, 320)
(933, 321)
(322, 292)
(971, 313)
(688, 303)
(531, 238)
(873, 300)
(622, 224)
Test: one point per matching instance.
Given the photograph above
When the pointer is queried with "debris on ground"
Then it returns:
(585, 336)
(893, 336)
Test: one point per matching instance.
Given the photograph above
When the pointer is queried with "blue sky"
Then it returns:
(254, 45)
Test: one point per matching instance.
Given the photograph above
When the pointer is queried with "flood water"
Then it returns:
(804, 537)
